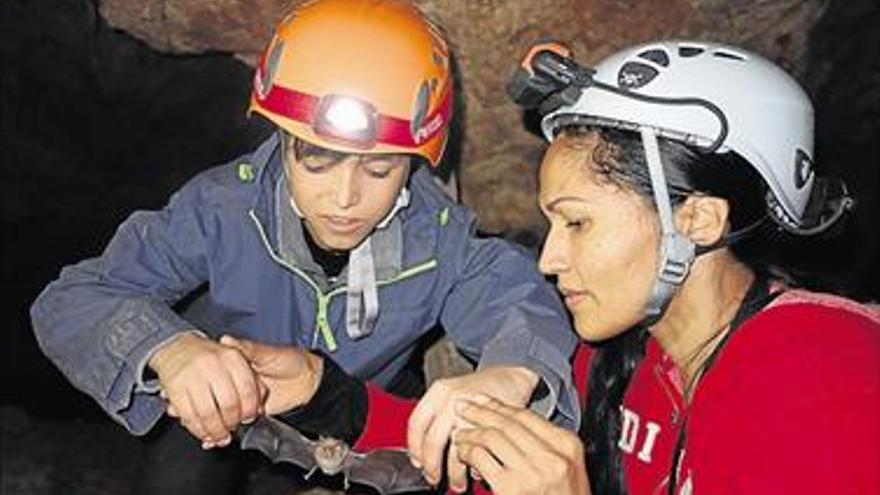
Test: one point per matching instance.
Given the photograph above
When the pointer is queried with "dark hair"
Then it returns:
(303, 149)
(619, 159)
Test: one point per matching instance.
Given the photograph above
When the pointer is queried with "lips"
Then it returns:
(342, 225)
(573, 297)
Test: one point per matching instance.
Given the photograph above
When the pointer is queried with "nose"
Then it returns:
(348, 188)
(554, 257)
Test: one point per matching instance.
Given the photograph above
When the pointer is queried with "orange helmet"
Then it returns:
(358, 76)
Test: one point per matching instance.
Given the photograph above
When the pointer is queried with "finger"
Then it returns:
(456, 471)
(434, 444)
(227, 401)
(494, 414)
(538, 426)
(480, 459)
(235, 343)
(189, 420)
(499, 443)
(419, 422)
(247, 390)
(207, 413)
(169, 407)
(257, 354)
(527, 432)
(263, 390)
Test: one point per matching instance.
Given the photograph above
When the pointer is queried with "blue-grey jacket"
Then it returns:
(231, 232)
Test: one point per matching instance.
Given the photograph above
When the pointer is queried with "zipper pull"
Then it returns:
(324, 325)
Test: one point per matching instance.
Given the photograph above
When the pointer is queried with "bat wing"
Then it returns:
(279, 442)
(387, 470)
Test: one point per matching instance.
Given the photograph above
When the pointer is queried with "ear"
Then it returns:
(703, 219)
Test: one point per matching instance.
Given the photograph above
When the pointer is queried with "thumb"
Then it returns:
(257, 354)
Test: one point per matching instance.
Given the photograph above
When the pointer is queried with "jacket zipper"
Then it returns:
(322, 323)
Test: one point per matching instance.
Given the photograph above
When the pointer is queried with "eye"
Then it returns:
(381, 166)
(315, 169)
(378, 173)
(574, 224)
(316, 164)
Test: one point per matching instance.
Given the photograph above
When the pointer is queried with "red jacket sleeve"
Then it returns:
(387, 417)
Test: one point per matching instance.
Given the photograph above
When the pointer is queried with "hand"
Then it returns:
(289, 374)
(209, 386)
(434, 418)
(518, 452)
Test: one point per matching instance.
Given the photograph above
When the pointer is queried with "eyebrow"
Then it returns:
(392, 160)
(561, 199)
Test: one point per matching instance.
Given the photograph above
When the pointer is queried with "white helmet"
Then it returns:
(759, 112)
(717, 97)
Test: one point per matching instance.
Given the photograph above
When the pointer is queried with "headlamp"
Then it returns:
(346, 119)
(352, 121)
(548, 78)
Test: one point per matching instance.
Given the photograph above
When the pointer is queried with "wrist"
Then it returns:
(522, 382)
(165, 352)
(299, 390)
(524, 378)
(312, 376)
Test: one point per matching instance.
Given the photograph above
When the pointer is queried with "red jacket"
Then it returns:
(791, 405)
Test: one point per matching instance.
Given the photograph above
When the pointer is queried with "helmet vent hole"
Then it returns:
(657, 56)
(420, 111)
(728, 55)
(690, 51)
(635, 75)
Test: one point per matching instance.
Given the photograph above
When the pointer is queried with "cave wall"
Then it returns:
(488, 37)
(830, 46)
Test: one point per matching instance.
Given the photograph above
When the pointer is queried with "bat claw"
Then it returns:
(310, 473)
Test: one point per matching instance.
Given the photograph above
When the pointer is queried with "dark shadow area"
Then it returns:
(94, 124)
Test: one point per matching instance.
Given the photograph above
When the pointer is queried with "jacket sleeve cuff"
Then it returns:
(518, 346)
(134, 332)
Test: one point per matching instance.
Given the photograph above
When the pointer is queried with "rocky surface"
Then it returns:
(488, 37)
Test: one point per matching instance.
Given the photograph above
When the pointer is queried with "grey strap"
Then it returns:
(362, 298)
(676, 251)
(400, 203)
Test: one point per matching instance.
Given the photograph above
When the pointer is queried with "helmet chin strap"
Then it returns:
(400, 203)
(676, 250)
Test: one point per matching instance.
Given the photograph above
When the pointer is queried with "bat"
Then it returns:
(388, 471)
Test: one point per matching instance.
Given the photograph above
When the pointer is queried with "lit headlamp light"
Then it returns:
(346, 119)
(352, 121)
